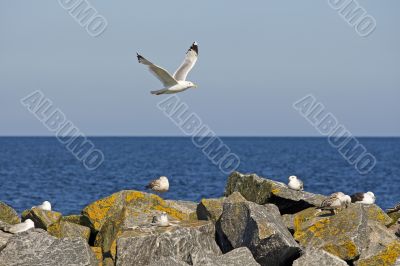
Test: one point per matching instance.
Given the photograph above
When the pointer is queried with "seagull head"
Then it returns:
(47, 205)
(190, 84)
(371, 194)
(163, 178)
(292, 177)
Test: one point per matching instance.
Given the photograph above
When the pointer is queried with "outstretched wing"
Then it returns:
(166, 79)
(190, 59)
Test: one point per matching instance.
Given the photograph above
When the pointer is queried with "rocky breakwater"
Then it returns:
(257, 222)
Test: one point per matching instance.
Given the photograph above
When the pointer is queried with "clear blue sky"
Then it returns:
(256, 58)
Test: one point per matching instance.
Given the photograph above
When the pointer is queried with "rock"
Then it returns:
(318, 257)
(262, 191)
(64, 229)
(210, 209)
(187, 208)
(167, 261)
(395, 216)
(8, 214)
(4, 237)
(346, 234)
(261, 229)
(237, 257)
(99, 255)
(108, 217)
(42, 219)
(144, 244)
(109, 262)
(74, 218)
(382, 247)
(37, 247)
(388, 256)
(288, 220)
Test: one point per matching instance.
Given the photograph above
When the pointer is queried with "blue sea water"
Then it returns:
(34, 169)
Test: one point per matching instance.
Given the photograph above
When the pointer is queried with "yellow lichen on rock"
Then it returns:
(97, 211)
(387, 257)
(99, 254)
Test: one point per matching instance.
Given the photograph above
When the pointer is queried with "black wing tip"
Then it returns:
(194, 47)
(139, 57)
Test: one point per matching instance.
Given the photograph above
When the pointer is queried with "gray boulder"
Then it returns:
(4, 237)
(261, 229)
(167, 261)
(145, 244)
(237, 257)
(262, 191)
(37, 247)
(8, 214)
(318, 257)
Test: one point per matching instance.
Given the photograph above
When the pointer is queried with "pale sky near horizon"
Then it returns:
(255, 61)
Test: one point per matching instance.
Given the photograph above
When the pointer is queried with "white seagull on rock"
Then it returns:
(161, 220)
(335, 201)
(159, 185)
(363, 198)
(44, 206)
(177, 82)
(21, 227)
(295, 183)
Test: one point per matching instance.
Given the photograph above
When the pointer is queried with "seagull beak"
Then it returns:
(194, 86)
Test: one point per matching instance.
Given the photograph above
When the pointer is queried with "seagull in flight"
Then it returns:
(177, 82)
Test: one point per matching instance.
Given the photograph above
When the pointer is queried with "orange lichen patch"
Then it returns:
(99, 254)
(346, 250)
(97, 211)
(377, 214)
(385, 258)
(134, 195)
(275, 190)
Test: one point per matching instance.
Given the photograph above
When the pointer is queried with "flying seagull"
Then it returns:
(295, 183)
(159, 185)
(364, 198)
(177, 82)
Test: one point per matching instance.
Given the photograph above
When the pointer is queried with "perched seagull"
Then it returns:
(394, 209)
(159, 185)
(364, 198)
(161, 220)
(295, 183)
(21, 227)
(333, 202)
(44, 206)
(177, 82)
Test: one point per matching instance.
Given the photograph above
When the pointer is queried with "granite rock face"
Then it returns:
(262, 191)
(42, 219)
(110, 216)
(8, 214)
(64, 229)
(37, 247)
(259, 228)
(355, 232)
(210, 209)
(237, 257)
(146, 244)
(318, 257)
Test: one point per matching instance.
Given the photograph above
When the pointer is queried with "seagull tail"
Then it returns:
(158, 92)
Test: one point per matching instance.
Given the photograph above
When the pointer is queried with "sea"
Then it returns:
(34, 169)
